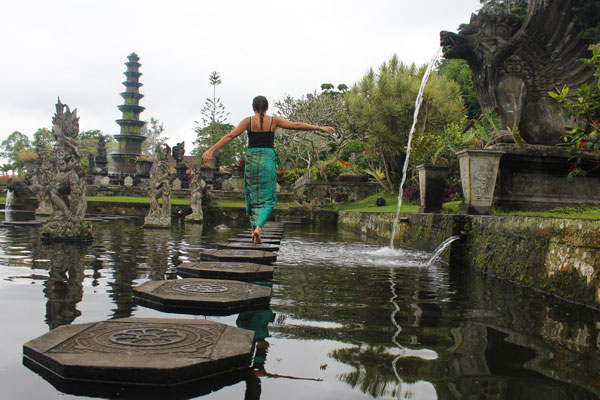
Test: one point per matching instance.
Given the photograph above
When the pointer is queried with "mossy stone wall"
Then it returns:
(556, 255)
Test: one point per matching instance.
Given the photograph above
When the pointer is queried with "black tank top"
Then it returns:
(261, 139)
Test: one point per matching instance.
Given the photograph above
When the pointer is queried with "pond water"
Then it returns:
(348, 319)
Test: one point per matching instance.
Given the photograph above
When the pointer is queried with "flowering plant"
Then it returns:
(584, 108)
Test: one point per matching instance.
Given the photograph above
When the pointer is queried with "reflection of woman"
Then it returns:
(260, 173)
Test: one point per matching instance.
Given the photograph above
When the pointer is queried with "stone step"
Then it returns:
(202, 296)
(229, 255)
(264, 235)
(226, 270)
(248, 246)
(249, 240)
(139, 355)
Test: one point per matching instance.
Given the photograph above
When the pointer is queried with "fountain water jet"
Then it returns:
(418, 102)
(8, 205)
(440, 249)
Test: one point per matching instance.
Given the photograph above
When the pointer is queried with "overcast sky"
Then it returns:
(77, 50)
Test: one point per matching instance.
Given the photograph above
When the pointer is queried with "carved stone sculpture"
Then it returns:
(180, 166)
(515, 63)
(159, 215)
(66, 190)
(196, 188)
(101, 160)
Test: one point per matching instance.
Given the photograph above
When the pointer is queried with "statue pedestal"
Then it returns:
(536, 178)
(155, 221)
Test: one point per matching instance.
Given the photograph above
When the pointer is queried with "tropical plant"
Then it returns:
(584, 108)
(380, 110)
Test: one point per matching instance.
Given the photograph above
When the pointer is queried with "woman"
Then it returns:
(260, 172)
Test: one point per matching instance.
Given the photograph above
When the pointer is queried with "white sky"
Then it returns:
(77, 50)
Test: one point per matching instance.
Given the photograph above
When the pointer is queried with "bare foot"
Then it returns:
(256, 235)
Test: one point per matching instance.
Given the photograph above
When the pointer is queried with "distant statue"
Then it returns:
(180, 166)
(101, 160)
(515, 63)
(196, 188)
(66, 191)
(160, 188)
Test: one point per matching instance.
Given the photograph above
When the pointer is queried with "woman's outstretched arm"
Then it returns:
(241, 128)
(301, 126)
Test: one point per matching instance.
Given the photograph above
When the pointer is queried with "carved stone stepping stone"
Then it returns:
(249, 246)
(231, 255)
(151, 353)
(248, 240)
(202, 296)
(226, 270)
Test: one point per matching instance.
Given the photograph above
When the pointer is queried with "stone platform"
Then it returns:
(223, 270)
(228, 255)
(264, 235)
(248, 240)
(202, 296)
(248, 246)
(139, 354)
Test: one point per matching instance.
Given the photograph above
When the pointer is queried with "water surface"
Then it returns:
(348, 319)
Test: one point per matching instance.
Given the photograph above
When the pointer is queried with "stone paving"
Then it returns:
(226, 270)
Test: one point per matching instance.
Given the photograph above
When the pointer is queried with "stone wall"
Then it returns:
(557, 255)
(335, 192)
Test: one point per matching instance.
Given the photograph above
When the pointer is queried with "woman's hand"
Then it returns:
(329, 129)
(207, 156)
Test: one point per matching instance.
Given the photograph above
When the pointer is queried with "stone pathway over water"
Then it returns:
(143, 353)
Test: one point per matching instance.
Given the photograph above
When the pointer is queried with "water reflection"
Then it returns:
(345, 319)
(64, 288)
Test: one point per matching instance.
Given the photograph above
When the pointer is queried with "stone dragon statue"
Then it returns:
(515, 63)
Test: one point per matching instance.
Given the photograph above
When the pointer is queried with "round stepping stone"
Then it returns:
(225, 270)
(248, 240)
(248, 246)
(230, 255)
(202, 296)
(151, 353)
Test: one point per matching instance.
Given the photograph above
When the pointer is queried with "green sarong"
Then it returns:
(260, 184)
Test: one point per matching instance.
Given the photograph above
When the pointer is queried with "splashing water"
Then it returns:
(440, 249)
(418, 102)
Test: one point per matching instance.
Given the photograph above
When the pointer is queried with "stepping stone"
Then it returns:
(263, 236)
(33, 222)
(248, 246)
(202, 296)
(248, 240)
(226, 270)
(152, 353)
(229, 255)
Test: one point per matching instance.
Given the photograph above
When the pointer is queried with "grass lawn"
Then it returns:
(368, 205)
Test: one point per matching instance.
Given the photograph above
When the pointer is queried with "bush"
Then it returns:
(411, 194)
(291, 176)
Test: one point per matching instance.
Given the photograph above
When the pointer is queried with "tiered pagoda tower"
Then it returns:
(130, 139)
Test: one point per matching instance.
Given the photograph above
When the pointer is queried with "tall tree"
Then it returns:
(314, 148)
(153, 130)
(380, 108)
(459, 72)
(516, 7)
(10, 148)
(214, 126)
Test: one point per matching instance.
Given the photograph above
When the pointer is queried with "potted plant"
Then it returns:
(479, 165)
(433, 175)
